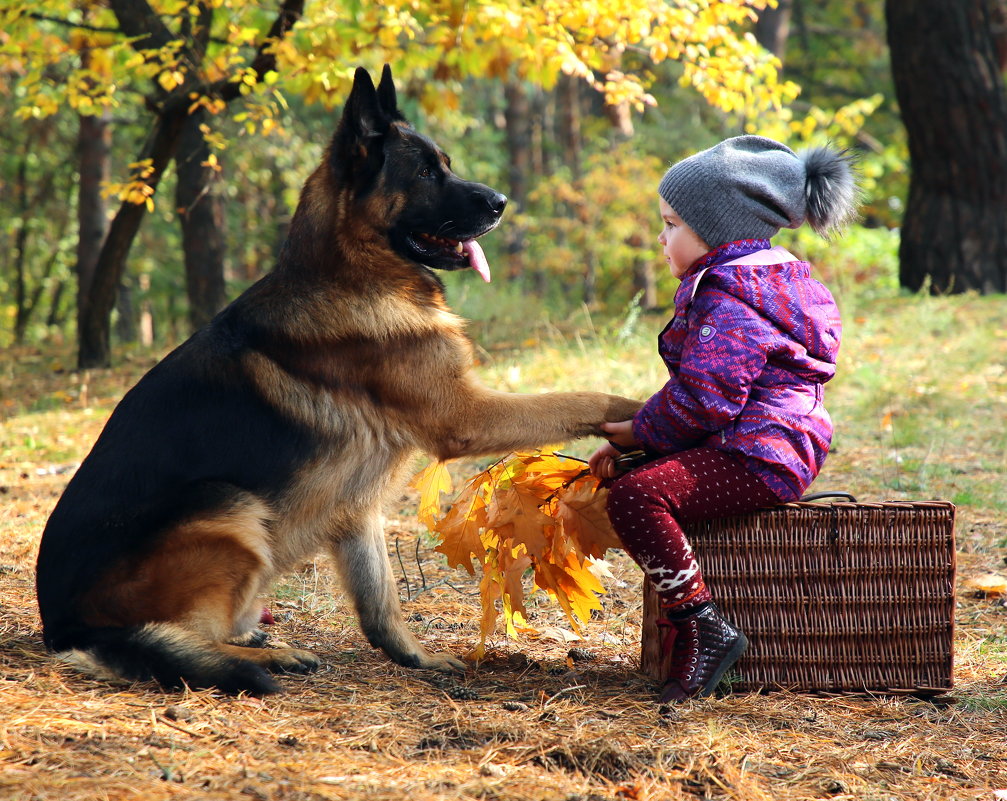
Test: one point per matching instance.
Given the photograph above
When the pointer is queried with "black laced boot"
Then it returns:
(703, 647)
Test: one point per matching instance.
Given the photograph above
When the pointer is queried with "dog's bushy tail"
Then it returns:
(171, 656)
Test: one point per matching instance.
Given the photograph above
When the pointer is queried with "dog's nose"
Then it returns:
(497, 202)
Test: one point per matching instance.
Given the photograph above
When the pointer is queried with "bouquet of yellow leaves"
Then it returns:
(529, 510)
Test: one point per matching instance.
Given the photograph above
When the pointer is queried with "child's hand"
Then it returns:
(602, 461)
(620, 433)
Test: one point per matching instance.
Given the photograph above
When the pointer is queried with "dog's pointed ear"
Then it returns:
(363, 113)
(357, 149)
(386, 95)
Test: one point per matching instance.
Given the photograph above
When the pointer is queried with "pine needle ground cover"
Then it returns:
(919, 405)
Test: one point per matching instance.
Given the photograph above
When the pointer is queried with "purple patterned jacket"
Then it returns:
(747, 352)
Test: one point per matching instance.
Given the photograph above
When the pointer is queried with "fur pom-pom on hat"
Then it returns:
(830, 189)
(749, 187)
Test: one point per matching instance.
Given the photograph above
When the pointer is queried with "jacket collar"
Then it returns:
(720, 255)
(727, 252)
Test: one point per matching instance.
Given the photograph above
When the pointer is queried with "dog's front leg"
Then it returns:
(366, 572)
(479, 421)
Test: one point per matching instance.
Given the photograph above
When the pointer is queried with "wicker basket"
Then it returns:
(839, 597)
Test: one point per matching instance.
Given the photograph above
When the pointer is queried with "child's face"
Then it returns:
(681, 244)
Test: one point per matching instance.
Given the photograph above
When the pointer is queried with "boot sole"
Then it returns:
(732, 657)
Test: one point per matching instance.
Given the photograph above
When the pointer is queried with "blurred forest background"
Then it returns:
(151, 152)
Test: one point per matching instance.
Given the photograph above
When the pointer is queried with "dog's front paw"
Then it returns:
(291, 660)
(444, 662)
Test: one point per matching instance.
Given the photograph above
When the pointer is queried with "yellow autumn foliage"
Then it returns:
(535, 510)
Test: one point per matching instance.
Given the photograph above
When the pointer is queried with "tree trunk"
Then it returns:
(644, 279)
(568, 123)
(27, 300)
(772, 29)
(21, 252)
(954, 106)
(125, 324)
(94, 321)
(517, 116)
(645, 283)
(543, 111)
(202, 218)
(94, 146)
(55, 317)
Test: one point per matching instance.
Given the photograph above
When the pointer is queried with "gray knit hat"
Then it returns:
(750, 187)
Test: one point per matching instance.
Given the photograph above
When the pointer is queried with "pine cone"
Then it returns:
(581, 655)
(460, 693)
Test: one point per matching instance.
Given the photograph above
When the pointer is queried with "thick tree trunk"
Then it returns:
(954, 106)
(202, 218)
(94, 145)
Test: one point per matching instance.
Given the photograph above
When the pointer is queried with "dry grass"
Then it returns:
(528, 723)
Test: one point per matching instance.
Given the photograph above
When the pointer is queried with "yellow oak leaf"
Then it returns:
(517, 512)
(431, 481)
(581, 510)
(460, 528)
(513, 562)
(489, 591)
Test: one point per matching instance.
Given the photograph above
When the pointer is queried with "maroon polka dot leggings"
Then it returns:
(648, 505)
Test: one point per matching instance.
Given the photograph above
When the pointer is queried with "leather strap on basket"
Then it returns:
(845, 496)
(817, 496)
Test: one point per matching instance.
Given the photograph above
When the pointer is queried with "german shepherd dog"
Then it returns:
(283, 426)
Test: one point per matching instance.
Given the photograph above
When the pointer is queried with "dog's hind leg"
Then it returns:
(366, 573)
(177, 604)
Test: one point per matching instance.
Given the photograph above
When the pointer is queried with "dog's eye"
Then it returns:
(426, 172)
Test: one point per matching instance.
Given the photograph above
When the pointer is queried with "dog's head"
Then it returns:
(433, 216)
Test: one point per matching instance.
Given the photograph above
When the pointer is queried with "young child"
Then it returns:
(740, 423)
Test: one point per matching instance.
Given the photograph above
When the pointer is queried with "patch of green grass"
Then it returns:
(993, 702)
(993, 698)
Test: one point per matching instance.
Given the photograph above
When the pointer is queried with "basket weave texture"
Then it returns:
(840, 597)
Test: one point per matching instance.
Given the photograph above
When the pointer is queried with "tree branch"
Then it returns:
(69, 24)
(83, 26)
(265, 60)
(139, 21)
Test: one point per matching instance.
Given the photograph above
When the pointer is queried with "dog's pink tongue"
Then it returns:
(477, 259)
